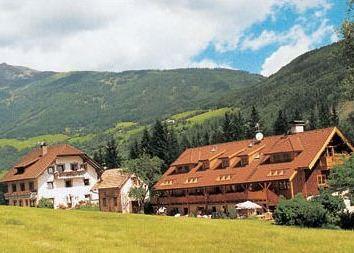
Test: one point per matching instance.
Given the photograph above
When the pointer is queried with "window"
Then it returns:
(321, 180)
(281, 158)
(74, 166)
(50, 185)
(206, 164)
(22, 187)
(244, 161)
(20, 202)
(88, 196)
(60, 168)
(31, 186)
(68, 183)
(14, 188)
(20, 170)
(115, 201)
(104, 201)
(225, 163)
(15, 202)
(86, 181)
(50, 170)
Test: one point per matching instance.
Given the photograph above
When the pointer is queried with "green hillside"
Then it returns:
(301, 85)
(82, 102)
(85, 108)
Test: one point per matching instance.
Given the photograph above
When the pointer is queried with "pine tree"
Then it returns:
(159, 141)
(145, 143)
(227, 128)
(98, 157)
(253, 122)
(313, 121)
(134, 151)
(281, 123)
(239, 127)
(334, 119)
(111, 156)
(324, 115)
(173, 146)
(185, 143)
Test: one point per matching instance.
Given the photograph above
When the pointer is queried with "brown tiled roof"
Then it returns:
(308, 144)
(113, 178)
(34, 163)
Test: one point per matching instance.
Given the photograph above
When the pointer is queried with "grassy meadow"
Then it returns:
(40, 230)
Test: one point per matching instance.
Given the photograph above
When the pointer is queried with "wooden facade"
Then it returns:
(110, 200)
(271, 170)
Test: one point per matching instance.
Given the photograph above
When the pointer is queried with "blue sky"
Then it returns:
(285, 18)
(258, 36)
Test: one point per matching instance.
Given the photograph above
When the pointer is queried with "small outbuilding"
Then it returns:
(113, 190)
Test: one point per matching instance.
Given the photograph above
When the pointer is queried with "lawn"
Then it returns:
(39, 230)
(31, 142)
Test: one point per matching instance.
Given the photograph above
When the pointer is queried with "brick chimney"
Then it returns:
(297, 126)
(44, 148)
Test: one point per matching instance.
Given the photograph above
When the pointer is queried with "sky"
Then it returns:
(259, 36)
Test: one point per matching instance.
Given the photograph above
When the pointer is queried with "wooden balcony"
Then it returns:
(70, 174)
(328, 162)
(21, 195)
(231, 197)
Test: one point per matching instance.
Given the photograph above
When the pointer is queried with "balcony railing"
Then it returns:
(327, 162)
(258, 196)
(70, 174)
(21, 195)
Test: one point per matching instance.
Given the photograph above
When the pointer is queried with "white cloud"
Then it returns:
(296, 42)
(120, 35)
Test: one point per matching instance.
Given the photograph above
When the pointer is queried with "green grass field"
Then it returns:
(39, 230)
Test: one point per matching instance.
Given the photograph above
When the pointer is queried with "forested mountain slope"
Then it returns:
(34, 103)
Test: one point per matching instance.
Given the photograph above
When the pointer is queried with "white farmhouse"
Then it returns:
(61, 173)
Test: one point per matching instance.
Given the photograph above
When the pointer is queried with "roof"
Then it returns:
(307, 145)
(34, 162)
(112, 178)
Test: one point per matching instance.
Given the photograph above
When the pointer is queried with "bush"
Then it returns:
(347, 220)
(298, 211)
(45, 203)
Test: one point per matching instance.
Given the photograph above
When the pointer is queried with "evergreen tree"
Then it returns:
(159, 141)
(185, 143)
(145, 143)
(239, 127)
(173, 146)
(111, 156)
(253, 123)
(227, 128)
(324, 115)
(134, 151)
(281, 123)
(98, 157)
(334, 117)
(313, 120)
(206, 138)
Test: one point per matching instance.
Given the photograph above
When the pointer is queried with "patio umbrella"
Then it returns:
(248, 205)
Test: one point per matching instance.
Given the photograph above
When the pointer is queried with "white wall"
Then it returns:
(59, 192)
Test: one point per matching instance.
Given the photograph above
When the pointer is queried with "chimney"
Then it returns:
(297, 126)
(44, 148)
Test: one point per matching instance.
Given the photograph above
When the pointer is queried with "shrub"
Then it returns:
(347, 220)
(299, 211)
(45, 203)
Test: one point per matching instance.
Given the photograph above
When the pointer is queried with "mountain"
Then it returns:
(302, 85)
(34, 102)
(83, 108)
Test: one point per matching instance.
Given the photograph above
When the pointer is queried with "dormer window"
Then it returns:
(167, 182)
(20, 170)
(244, 161)
(206, 164)
(225, 162)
